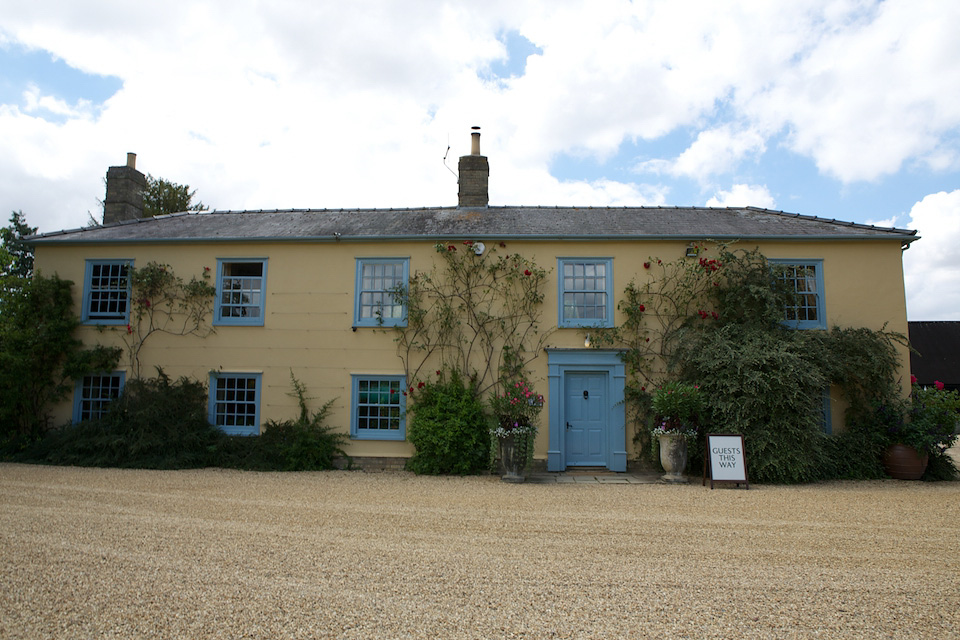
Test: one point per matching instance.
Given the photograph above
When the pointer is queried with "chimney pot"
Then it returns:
(474, 174)
(475, 141)
(132, 160)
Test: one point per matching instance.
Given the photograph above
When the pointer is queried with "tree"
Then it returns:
(163, 197)
(19, 263)
(39, 354)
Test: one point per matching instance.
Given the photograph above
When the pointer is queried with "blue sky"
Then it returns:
(846, 109)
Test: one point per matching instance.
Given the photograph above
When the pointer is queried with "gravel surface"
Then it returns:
(94, 553)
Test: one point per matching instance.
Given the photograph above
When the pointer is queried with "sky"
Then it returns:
(846, 109)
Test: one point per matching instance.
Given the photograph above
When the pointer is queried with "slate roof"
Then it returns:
(480, 222)
(938, 352)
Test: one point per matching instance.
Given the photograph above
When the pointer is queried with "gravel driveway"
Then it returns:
(94, 553)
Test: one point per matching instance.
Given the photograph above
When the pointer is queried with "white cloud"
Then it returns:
(353, 104)
(931, 269)
(37, 104)
(872, 92)
(743, 195)
(715, 151)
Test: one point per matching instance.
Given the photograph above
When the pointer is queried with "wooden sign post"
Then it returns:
(725, 459)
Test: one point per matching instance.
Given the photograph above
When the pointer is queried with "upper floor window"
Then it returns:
(380, 282)
(586, 292)
(234, 404)
(377, 410)
(94, 393)
(106, 291)
(240, 291)
(805, 279)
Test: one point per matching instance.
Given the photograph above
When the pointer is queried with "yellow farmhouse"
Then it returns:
(308, 291)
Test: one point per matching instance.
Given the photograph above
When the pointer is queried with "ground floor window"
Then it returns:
(377, 408)
(235, 402)
(94, 393)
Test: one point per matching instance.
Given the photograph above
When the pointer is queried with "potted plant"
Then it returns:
(515, 411)
(676, 408)
(927, 428)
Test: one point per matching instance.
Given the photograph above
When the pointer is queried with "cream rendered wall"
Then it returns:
(310, 298)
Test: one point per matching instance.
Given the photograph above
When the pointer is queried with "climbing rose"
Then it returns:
(913, 379)
(526, 272)
(938, 385)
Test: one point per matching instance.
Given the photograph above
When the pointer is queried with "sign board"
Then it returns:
(725, 460)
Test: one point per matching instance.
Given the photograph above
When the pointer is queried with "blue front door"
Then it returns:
(585, 412)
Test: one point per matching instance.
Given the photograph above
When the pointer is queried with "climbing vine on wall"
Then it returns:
(161, 302)
(477, 312)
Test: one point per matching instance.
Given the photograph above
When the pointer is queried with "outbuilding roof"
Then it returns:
(479, 222)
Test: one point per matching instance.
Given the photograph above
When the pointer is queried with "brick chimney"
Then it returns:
(125, 187)
(474, 174)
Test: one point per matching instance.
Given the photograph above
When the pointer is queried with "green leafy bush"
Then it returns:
(303, 444)
(761, 384)
(448, 427)
(156, 423)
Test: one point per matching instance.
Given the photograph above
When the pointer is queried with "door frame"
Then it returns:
(559, 362)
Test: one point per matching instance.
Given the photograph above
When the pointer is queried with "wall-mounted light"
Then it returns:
(586, 341)
(692, 250)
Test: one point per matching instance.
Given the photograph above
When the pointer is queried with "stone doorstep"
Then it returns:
(579, 477)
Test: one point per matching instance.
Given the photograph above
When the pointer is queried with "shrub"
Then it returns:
(448, 428)
(760, 383)
(303, 444)
(154, 424)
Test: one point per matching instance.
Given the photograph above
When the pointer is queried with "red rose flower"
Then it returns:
(938, 385)
(526, 272)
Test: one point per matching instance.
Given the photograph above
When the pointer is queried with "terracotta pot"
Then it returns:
(903, 462)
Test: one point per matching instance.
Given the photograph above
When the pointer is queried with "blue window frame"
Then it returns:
(234, 404)
(93, 393)
(240, 291)
(805, 279)
(826, 423)
(378, 409)
(377, 284)
(585, 292)
(106, 292)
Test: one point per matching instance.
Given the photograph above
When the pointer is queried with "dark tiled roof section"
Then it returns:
(938, 352)
(493, 222)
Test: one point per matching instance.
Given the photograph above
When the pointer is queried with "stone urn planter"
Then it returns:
(513, 459)
(903, 462)
(673, 456)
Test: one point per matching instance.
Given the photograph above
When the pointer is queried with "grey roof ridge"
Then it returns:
(843, 223)
(903, 232)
